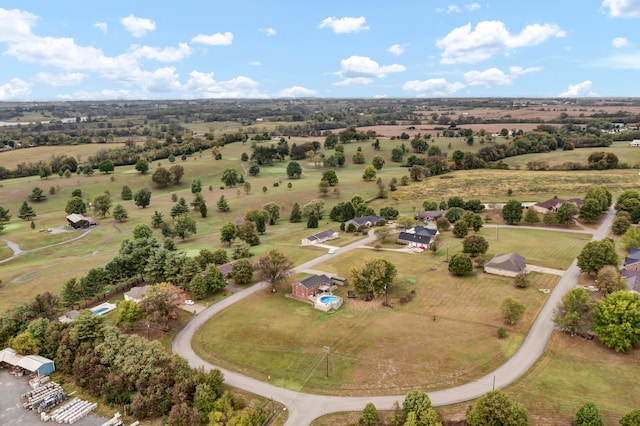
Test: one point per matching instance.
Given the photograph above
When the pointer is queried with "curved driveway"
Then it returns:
(304, 407)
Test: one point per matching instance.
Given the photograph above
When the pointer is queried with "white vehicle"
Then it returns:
(189, 302)
(331, 251)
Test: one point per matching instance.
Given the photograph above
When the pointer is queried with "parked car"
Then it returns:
(331, 251)
(189, 302)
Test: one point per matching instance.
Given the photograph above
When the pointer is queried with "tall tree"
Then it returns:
(26, 212)
(184, 225)
(196, 186)
(588, 415)
(242, 272)
(330, 177)
(126, 193)
(161, 177)
(156, 219)
(369, 173)
(142, 165)
(106, 166)
(230, 177)
(617, 321)
(296, 214)
(5, 217)
(120, 213)
(37, 195)
(496, 408)
(575, 310)
(223, 206)
(274, 212)
(294, 171)
(374, 277)
(161, 303)
(179, 208)
(512, 212)
(590, 210)
(596, 254)
(227, 233)
(142, 198)
(475, 245)
(275, 268)
(102, 204)
(177, 172)
(460, 264)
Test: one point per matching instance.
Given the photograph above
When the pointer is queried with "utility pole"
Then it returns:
(326, 351)
(496, 232)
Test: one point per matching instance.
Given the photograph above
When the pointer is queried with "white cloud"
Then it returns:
(620, 42)
(345, 25)
(102, 94)
(14, 89)
(102, 26)
(452, 8)
(622, 8)
(490, 77)
(160, 80)
(138, 27)
(255, 63)
(362, 70)
(168, 54)
(217, 39)
(522, 71)
(62, 79)
(269, 32)
(432, 87)
(578, 90)
(464, 45)
(472, 6)
(15, 25)
(396, 49)
(205, 86)
(630, 61)
(296, 91)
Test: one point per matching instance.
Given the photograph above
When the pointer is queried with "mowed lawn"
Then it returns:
(274, 336)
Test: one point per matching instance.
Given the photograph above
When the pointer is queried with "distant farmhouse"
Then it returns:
(77, 221)
(635, 142)
(320, 237)
(418, 236)
(429, 215)
(507, 265)
(552, 205)
(367, 221)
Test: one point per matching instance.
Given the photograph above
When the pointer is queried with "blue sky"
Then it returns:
(113, 50)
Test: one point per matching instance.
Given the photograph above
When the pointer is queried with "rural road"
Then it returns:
(304, 408)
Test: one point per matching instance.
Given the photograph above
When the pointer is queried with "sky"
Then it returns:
(125, 50)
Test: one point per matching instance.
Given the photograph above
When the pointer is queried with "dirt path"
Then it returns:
(19, 252)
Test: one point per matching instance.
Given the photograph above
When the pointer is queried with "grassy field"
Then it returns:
(11, 158)
(364, 336)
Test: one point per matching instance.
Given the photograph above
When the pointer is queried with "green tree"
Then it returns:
(312, 222)
(473, 220)
(142, 198)
(248, 232)
(575, 310)
(377, 162)
(512, 310)
(460, 264)
(389, 213)
(127, 313)
(45, 171)
(442, 224)
(120, 213)
(227, 233)
(161, 177)
(26, 212)
(5, 217)
(179, 208)
(196, 186)
(632, 418)
(512, 212)
(259, 217)
(142, 231)
(417, 408)
(313, 207)
(617, 321)
(76, 193)
(242, 272)
(198, 287)
(621, 224)
(275, 268)
(460, 229)
(197, 201)
(230, 176)
(358, 158)
(37, 195)
(274, 212)
(496, 408)
(219, 257)
(374, 277)
(296, 214)
(588, 415)
(239, 249)
(142, 165)
(223, 206)
(475, 245)
(125, 193)
(157, 219)
(531, 216)
(294, 170)
(628, 201)
(184, 226)
(75, 205)
(600, 193)
(454, 214)
(214, 279)
(566, 212)
(254, 169)
(369, 173)
(106, 166)
(247, 187)
(330, 177)
(590, 210)
(102, 204)
(370, 416)
(596, 254)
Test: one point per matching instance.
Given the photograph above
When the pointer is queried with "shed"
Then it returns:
(77, 221)
(507, 265)
(35, 363)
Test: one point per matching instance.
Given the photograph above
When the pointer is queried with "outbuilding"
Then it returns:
(34, 363)
(78, 221)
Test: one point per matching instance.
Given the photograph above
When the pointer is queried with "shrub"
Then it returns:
(502, 332)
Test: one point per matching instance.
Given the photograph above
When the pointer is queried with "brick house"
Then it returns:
(309, 286)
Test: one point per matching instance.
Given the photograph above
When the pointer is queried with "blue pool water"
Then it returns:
(328, 299)
(99, 311)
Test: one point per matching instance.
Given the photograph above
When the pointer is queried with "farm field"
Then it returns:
(11, 158)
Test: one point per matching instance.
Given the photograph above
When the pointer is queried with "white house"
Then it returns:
(320, 237)
(635, 142)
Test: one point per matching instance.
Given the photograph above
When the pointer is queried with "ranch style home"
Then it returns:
(552, 205)
(136, 294)
(429, 215)
(367, 221)
(320, 237)
(418, 236)
(507, 265)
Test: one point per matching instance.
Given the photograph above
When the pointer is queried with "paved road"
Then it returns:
(305, 407)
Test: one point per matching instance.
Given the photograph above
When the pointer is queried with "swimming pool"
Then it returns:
(99, 311)
(328, 302)
(103, 308)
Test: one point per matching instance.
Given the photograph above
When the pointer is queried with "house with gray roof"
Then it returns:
(320, 237)
(367, 221)
(417, 236)
(507, 265)
(310, 286)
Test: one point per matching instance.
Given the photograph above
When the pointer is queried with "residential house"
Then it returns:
(633, 282)
(320, 237)
(136, 294)
(507, 265)
(418, 236)
(77, 221)
(429, 215)
(635, 142)
(552, 205)
(367, 221)
(68, 316)
(632, 261)
(310, 286)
